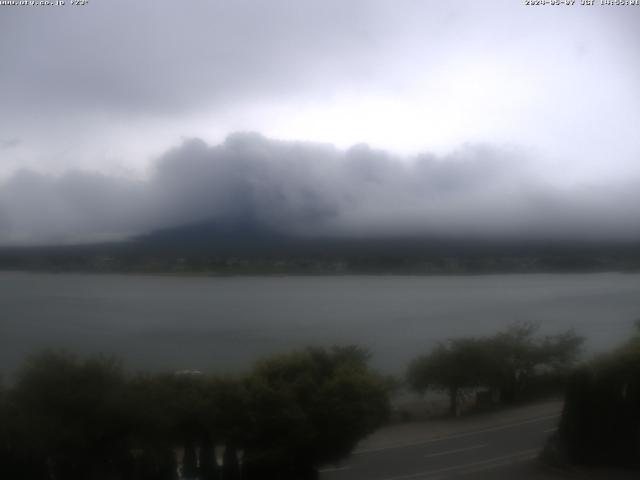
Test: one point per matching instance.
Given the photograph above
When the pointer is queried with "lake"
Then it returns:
(225, 323)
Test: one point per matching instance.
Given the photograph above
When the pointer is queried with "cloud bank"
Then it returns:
(120, 82)
(308, 188)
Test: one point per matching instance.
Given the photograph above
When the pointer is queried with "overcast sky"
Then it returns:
(528, 115)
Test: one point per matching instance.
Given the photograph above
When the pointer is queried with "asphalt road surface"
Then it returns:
(492, 452)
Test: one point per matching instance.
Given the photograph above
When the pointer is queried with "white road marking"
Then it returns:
(520, 456)
(457, 450)
(455, 435)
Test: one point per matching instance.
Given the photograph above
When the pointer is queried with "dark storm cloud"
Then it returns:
(280, 183)
(302, 187)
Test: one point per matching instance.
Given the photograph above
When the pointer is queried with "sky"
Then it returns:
(119, 117)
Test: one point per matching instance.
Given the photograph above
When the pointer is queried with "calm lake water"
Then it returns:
(219, 324)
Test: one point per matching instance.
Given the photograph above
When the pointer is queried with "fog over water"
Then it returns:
(220, 324)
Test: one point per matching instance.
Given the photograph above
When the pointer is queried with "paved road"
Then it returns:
(480, 453)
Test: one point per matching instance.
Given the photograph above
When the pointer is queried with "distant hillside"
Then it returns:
(221, 237)
(232, 247)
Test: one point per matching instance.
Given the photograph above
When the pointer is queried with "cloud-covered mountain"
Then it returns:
(310, 189)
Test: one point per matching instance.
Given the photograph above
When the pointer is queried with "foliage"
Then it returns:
(452, 366)
(311, 407)
(70, 413)
(508, 362)
(73, 418)
(518, 356)
(600, 423)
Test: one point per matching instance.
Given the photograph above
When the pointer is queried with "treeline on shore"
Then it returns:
(325, 257)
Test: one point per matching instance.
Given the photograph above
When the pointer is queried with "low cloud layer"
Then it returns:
(109, 86)
(310, 188)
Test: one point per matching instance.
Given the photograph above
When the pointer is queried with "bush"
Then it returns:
(600, 424)
(311, 407)
(72, 418)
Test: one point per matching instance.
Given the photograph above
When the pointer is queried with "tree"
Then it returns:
(452, 366)
(169, 411)
(311, 407)
(507, 362)
(71, 418)
(600, 423)
(517, 356)
(70, 414)
(18, 458)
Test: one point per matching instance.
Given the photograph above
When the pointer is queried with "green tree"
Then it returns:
(507, 362)
(518, 356)
(600, 423)
(71, 415)
(229, 421)
(72, 418)
(453, 366)
(168, 412)
(311, 407)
